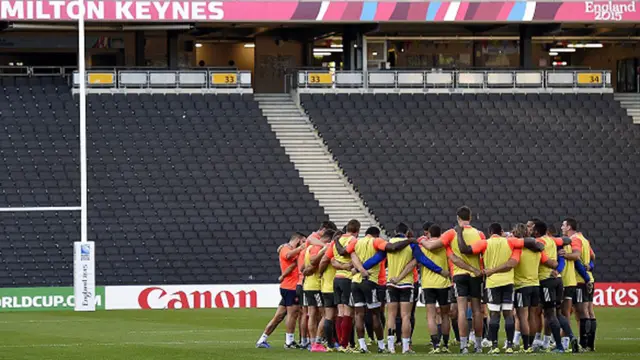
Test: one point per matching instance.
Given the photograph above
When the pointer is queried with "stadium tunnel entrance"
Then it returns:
(271, 51)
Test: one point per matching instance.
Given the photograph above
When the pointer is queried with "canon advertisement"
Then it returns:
(268, 296)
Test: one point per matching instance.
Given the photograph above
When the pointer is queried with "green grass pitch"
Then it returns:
(226, 334)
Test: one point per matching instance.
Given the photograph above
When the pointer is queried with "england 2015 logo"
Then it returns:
(609, 10)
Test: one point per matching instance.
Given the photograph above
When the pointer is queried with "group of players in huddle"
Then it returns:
(528, 276)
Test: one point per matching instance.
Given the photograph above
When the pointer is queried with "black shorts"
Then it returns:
(570, 293)
(452, 296)
(467, 286)
(439, 296)
(586, 293)
(401, 295)
(551, 293)
(342, 291)
(416, 291)
(365, 293)
(289, 297)
(312, 298)
(299, 292)
(382, 294)
(500, 298)
(328, 300)
(528, 296)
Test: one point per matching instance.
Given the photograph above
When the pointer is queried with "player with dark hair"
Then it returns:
(467, 278)
(435, 286)
(584, 287)
(328, 272)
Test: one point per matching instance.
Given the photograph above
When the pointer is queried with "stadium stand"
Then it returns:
(183, 188)
(417, 157)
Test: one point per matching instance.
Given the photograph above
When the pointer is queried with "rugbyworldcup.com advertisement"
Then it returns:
(216, 296)
(43, 299)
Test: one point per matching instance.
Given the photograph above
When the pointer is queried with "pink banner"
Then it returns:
(324, 11)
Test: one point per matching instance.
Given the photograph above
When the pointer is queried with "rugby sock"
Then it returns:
(526, 341)
(456, 330)
(381, 344)
(445, 340)
(435, 340)
(391, 340)
(413, 322)
(494, 327)
(592, 337)
(566, 327)
(516, 337)
(510, 328)
(464, 341)
(328, 331)
(485, 328)
(546, 342)
(339, 329)
(288, 338)
(554, 325)
(538, 337)
(347, 327)
(363, 344)
(263, 338)
(583, 333)
(405, 344)
(439, 329)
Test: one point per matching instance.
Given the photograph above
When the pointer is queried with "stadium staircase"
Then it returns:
(631, 102)
(313, 160)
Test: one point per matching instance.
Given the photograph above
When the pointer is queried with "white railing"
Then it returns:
(163, 79)
(454, 79)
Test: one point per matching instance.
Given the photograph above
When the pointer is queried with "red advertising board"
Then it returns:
(617, 294)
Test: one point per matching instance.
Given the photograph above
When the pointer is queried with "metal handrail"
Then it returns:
(601, 79)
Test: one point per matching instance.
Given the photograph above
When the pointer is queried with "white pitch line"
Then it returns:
(144, 343)
(50, 208)
(190, 331)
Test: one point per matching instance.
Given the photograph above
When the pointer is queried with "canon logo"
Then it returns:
(158, 298)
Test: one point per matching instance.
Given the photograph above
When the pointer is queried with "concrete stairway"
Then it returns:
(631, 102)
(317, 167)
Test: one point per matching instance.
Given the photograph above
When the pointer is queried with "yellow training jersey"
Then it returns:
(471, 235)
(396, 262)
(344, 241)
(585, 257)
(498, 252)
(327, 279)
(430, 279)
(526, 272)
(365, 248)
(312, 282)
(551, 249)
(569, 271)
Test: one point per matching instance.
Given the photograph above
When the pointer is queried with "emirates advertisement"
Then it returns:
(160, 297)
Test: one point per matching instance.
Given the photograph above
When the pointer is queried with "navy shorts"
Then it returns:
(289, 297)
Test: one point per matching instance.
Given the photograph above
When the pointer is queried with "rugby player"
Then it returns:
(281, 311)
(328, 272)
(584, 287)
(342, 285)
(467, 278)
(288, 257)
(312, 298)
(435, 287)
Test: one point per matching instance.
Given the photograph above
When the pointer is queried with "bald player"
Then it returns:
(288, 257)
